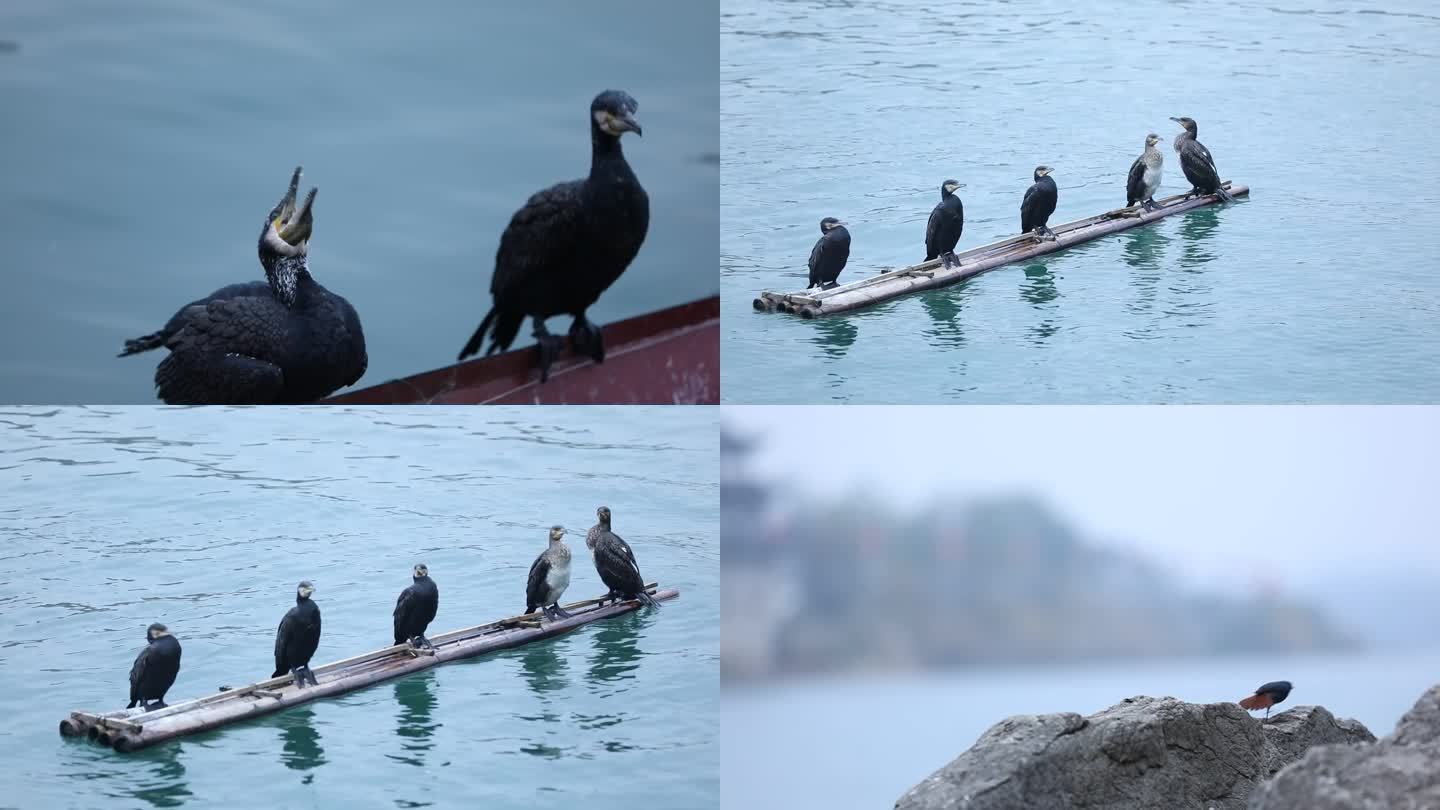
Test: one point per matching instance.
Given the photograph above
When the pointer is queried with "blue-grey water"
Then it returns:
(1324, 286)
(863, 743)
(144, 143)
(205, 519)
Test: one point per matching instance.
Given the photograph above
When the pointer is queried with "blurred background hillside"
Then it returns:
(885, 568)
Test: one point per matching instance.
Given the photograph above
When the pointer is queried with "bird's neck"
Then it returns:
(606, 156)
(289, 279)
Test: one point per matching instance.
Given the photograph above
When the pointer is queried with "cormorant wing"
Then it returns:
(931, 227)
(1135, 183)
(544, 235)
(625, 550)
(817, 259)
(356, 335)
(535, 585)
(137, 674)
(616, 565)
(228, 350)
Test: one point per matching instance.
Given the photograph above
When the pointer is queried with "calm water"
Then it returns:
(1323, 287)
(862, 744)
(145, 142)
(206, 519)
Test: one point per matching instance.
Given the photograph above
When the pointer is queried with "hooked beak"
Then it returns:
(296, 223)
(627, 123)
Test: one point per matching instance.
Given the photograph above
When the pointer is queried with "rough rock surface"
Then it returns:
(1140, 753)
(1400, 772)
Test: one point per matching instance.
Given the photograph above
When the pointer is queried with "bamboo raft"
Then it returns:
(933, 275)
(133, 729)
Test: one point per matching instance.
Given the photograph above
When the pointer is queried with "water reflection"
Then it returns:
(164, 785)
(835, 334)
(616, 649)
(416, 696)
(1040, 290)
(944, 308)
(1196, 228)
(301, 750)
(543, 668)
(1143, 248)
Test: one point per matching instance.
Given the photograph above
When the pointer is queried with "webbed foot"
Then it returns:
(550, 347)
(587, 339)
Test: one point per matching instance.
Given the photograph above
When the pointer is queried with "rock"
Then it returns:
(1142, 752)
(1400, 772)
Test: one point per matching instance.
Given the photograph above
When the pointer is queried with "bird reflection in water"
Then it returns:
(543, 668)
(1040, 290)
(835, 334)
(616, 650)
(164, 784)
(1143, 249)
(1196, 228)
(944, 307)
(301, 749)
(416, 696)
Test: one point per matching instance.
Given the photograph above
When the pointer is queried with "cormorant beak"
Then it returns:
(296, 224)
(627, 123)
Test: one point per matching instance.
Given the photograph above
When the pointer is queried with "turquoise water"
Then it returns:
(863, 743)
(1324, 286)
(205, 520)
(144, 143)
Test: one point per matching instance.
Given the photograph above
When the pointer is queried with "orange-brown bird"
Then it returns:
(1267, 696)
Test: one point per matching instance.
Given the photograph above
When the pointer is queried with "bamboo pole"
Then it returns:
(133, 729)
(932, 274)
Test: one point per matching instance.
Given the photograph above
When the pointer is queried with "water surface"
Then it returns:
(205, 519)
(1322, 287)
(144, 143)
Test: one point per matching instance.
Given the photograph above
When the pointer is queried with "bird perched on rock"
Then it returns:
(1266, 696)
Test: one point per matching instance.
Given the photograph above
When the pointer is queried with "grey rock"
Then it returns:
(1143, 752)
(1400, 772)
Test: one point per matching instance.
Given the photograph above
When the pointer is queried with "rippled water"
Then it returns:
(205, 519)
(144, 143)
(1322, 287)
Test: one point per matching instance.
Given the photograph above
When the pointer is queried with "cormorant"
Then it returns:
(830, 253)
(1197, 162)
(1144, 179)
(947, 222)
(1266, 696)
(568, 243)
(603, 515)
(1039, 204)
(615, 562)
(286, 340)
(549, 577)
(155, 668)
(297, 638)
(415, 609)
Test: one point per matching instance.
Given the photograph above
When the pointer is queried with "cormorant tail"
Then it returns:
(647, 600)
(473, 345)
(1224, 195)
(278, 673)
(145, 343)
(131, 704)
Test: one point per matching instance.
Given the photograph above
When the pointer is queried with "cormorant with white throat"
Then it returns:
(946, 224)
(1144, 178)
(549, 577)
(298, 637)
(416, 608)
(830, 253)
(155, 668)
(1039, 204)
(286, 340)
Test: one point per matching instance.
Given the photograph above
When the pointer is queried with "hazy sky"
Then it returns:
(1226, 495)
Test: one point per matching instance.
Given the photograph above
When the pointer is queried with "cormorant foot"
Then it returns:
(948, 260)
(550, 348)
(310, 676)
(425, 642)
(297, 675)
(159, 704)
(587, 339)
(559, 611)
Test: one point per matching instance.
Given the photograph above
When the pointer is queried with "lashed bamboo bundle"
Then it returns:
(932, 274)
(133, 729)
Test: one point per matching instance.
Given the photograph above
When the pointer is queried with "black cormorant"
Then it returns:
(155, 669)
(602, 514)
(549, 577)
(1197, 162)
(297, 638)
(615, 562)
(1039, 204)
(569, 243)
(286, 340)
(1144, 179)
(947, 222)
(415, 609)
(830, 253)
